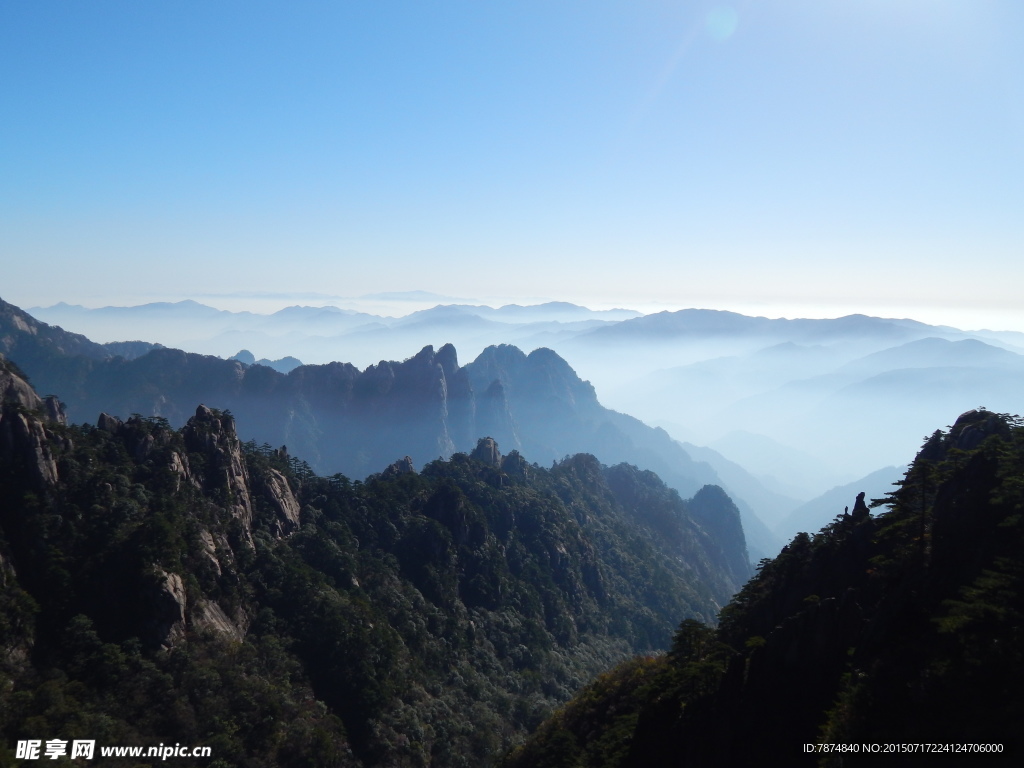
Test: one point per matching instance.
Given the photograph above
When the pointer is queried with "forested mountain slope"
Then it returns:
(165, 586)
(901, 628)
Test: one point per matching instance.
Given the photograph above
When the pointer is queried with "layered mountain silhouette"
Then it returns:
(759, 331)
(323, 334)
(342, 419)
(179, 574)
(836, 399)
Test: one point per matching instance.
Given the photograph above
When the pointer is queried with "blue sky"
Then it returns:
(799, 157)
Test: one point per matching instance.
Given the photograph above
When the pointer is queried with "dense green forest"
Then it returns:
(903, 627)
(163, 586)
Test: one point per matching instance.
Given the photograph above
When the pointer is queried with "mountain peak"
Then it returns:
(971, 428)
(487, 451)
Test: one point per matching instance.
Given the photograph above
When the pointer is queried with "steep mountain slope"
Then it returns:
(165, 586)
(342, 419)
(901, 629)
(42, 346)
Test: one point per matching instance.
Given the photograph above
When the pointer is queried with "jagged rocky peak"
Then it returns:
(514, 465)
(448, 359)
(422, 370)
(53, 410)
(860, 509)
(972, 427)
(403, 466)
(716, 513)
(429, 366)
(540, 375)
(109, 423)
(502, 362)
(559, 378)
(487, 451)
(426, 362)
(503, 355)
(211, 424)
(213, 434)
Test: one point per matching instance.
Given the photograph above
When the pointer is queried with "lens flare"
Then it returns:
(721, 22)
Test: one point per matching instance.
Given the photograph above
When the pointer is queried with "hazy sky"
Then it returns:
(781, 156)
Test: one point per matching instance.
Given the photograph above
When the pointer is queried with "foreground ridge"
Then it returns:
(899, 628)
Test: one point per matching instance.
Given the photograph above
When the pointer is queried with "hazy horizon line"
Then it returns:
(399, 304)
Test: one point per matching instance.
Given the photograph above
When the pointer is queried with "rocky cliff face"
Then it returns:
(204, 461)
(25, 437)
(213, 436)
(209, 458)
(123, 548)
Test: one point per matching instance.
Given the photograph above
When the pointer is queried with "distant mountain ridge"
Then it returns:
(316, 334)
(705, 322)
(803, 405)
(28, 339)
(284, 365)
(855, 392)
(712, 372)
(357, 422)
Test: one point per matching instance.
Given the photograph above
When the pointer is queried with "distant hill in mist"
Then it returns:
(837, 398)
(327, 334)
